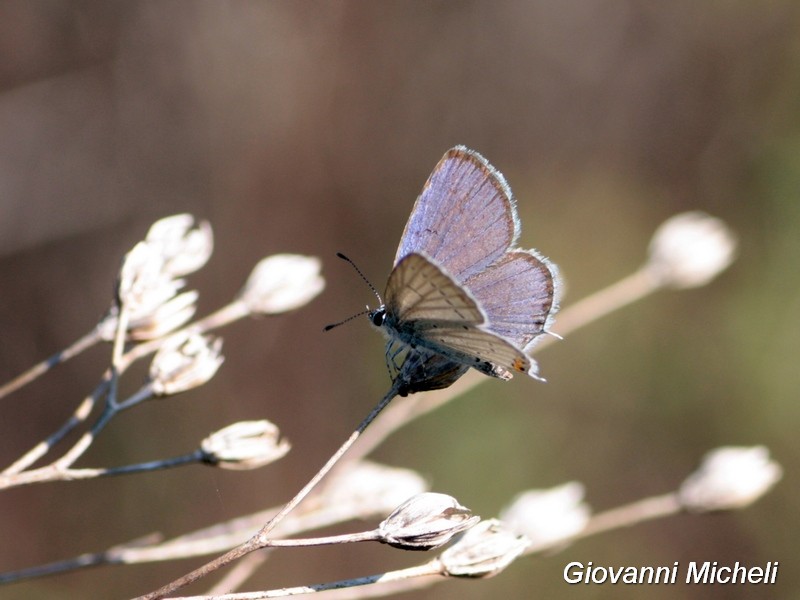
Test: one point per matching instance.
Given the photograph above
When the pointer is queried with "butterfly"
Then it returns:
(460, 293)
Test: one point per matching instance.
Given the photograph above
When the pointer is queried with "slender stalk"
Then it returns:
(36, 371)
(647, 509)
(117, 352)
(79, 416)
(626, 291)
(426, 570)
(57, 472)
(260, 539)
(121, 361)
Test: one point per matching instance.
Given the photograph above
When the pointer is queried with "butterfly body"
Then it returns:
(443, 312)
(460, 294)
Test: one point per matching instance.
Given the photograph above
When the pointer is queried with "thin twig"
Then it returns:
(239, 573)
(56, 472)
(79, 416)
(432, 568)
(227, 314)
(260, 539)
(36, 371)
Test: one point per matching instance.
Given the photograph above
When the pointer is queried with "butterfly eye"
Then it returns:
(378, 316)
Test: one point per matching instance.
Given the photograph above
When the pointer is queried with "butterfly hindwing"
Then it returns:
(518, 293)
(478, 348)
(418, 290)
(427, 306)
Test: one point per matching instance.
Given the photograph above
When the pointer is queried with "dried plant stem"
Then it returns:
(121, 361)
(232, 312)
(59, 469)
(220, 318)
(260, 539)
(56, 472)
(418, 577)
(84, 343)
(79, 416)
(626, 291)
(214, 539)
(648, 509)
(432, 568)
(239, 573)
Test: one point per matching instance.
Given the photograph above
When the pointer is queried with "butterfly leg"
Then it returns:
(396, 355)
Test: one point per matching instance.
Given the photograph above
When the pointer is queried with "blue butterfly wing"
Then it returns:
(519, 295)
(427, 306)
(465, 219)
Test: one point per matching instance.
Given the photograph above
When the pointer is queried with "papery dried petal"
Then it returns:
(282, 282)
(185, 362)
(426, 521)
(245, 445)
(484, 551)
(184, 250)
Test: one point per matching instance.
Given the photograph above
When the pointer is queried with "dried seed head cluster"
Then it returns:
(484, 551)
(547, 517)
(690, 249)
(426, 521)
(182, 248)
(149, 279)
(281, 283)
(730, 478)
(244, 445)
(185, 362)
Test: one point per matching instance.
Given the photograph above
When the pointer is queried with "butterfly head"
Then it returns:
(377, 316)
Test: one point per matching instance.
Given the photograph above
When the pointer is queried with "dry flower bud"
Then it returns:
(185, 362)
(373, 485)
(282, 282)
(143, 286)
(148, 280)
(547, 517)
(244, 445)
(484, 551)
(184, 250)
(690, 249)
(425, 521)
(166, 318)
(730, 478)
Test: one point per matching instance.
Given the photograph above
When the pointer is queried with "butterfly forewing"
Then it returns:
(465, 217)
(460, 295)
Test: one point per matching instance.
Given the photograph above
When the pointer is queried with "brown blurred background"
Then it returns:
(310, 127)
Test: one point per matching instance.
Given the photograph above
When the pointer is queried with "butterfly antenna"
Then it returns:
(343, 321)
(367, 281)
(364, 277)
